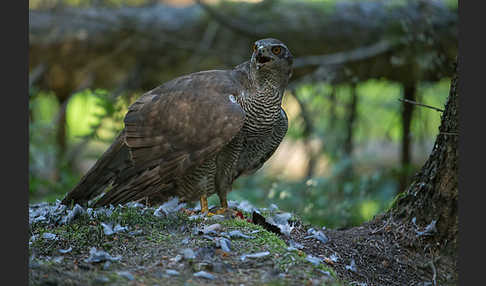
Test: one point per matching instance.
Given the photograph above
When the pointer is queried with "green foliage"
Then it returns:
(43, 108)
(426, 121)
(95, 115)
(326, 201)
(378, 110)
(90, 116)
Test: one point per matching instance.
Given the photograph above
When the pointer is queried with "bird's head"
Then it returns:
(271, 56)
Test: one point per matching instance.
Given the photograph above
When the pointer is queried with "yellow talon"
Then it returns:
(205, 208)
(221, 211)
(217, 212)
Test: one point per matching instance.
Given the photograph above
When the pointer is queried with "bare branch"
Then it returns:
(420, 104)
(345, 57)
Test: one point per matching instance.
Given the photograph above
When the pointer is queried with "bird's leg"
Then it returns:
(204, 204)
(223, 202)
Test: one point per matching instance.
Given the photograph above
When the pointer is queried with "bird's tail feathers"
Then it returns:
(100, 176)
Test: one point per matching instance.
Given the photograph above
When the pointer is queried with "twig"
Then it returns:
(420, 104)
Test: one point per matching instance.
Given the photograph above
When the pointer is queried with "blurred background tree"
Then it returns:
(357, 134)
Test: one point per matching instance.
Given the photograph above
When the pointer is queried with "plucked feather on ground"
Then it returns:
(194, 135)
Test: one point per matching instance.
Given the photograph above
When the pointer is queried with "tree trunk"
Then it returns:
(432, 196)
(61, 140)
(332, 109)
(349, 139)
(350, 122)
(406, 148)
(434, 190)
(306, 116)
(61, 129)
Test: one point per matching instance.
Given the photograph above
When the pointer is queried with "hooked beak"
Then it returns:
(261, 59)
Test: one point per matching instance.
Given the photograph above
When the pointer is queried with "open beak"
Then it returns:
(261, 59)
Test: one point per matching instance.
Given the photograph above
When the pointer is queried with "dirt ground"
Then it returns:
(384, 253)
(180, 247)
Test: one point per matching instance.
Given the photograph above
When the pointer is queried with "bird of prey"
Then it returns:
(191, 137)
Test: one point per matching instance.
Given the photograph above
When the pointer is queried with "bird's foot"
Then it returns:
(220, 211)
(227, 212)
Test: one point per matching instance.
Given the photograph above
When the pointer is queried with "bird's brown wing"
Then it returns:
(175, 127)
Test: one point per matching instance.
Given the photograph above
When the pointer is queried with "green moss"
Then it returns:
(395, 200)
(79, 236)
(160, 237)
(86, 232)
(263, 238)
(263, 241)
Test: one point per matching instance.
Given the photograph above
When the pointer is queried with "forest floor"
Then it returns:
(175, 245)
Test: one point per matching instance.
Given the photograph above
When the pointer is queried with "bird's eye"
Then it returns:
(276, 50)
